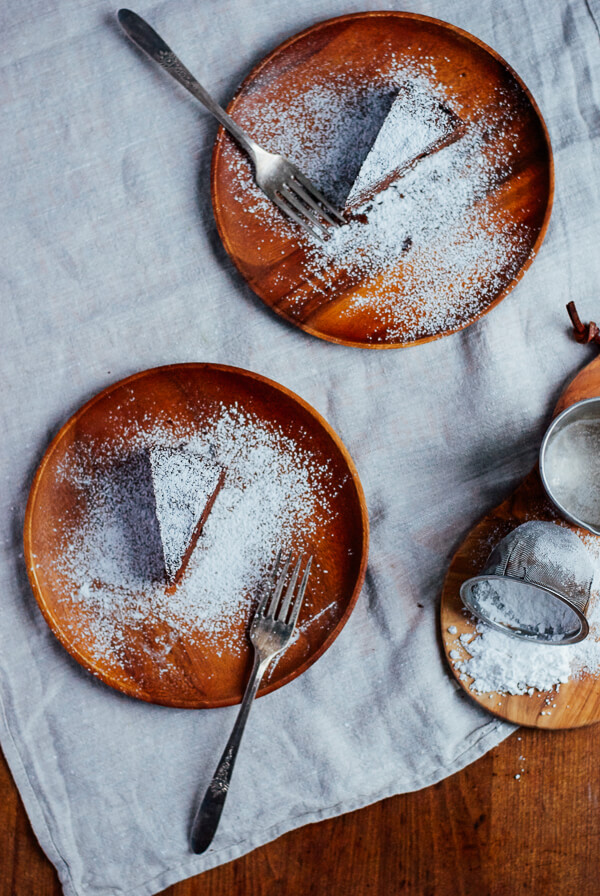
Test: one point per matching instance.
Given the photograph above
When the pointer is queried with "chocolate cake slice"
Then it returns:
(186, 484)
(417, 124)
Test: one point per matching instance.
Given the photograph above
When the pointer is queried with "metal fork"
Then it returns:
(279, 178)
(270, 632)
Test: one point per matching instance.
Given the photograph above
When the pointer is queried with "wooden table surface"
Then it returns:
(481, 832)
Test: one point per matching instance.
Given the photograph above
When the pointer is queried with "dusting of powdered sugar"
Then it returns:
(275, 495)
(492, 662)
(183, 482)
(416, 123)
(430, 251)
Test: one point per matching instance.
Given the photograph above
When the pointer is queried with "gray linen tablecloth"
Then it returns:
(110, 264)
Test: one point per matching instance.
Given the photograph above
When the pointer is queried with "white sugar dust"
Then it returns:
(427, 251)
(519, 606)
(183, 482)
(275, 495)
(492, 662)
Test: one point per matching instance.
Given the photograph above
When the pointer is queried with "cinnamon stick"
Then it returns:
(584, 333)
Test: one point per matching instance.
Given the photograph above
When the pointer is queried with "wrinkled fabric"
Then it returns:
(111, 263)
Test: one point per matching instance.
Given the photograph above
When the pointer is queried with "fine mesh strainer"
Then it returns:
(536, 585)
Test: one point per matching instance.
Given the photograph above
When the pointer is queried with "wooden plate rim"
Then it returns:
(255, 72)
(130, 688)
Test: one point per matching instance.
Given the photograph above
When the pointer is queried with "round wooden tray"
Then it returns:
(349, 55)
(198, 670)
(577, 702)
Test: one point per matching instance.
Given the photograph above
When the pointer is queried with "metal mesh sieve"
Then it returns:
(555, 565)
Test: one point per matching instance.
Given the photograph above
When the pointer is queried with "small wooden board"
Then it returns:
(348, 55)
(577, 702)
(199, 670)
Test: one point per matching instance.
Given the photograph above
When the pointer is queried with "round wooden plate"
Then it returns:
(577, 703)
(310, 93)
(150, 657)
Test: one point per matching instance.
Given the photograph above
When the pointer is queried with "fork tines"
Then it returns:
(300, 200)
(270, 606)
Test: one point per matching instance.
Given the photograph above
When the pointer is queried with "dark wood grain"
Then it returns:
(354, 49)
(578, 701)
(201, 670)
(480, 832)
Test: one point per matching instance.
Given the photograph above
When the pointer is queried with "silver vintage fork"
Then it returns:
(270, 632)
(279, 178)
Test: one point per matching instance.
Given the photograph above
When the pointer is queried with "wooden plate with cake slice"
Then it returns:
(155, 518)
(432, 144)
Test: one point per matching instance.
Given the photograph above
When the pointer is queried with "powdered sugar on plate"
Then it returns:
(502, 664)
(416, 124)
(111, 561)
(431, 251)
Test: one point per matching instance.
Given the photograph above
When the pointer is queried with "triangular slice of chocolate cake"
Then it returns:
(417, 124)
(186, 484)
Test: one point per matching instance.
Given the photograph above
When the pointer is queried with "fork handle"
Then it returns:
(152, 43)
(208, 815)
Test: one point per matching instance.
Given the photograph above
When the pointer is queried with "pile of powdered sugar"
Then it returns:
(499, 663)
(434, 249)
(111, 555)
(523, 607)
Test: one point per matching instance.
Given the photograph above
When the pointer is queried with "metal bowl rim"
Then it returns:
(579, 636)
(582, 524)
